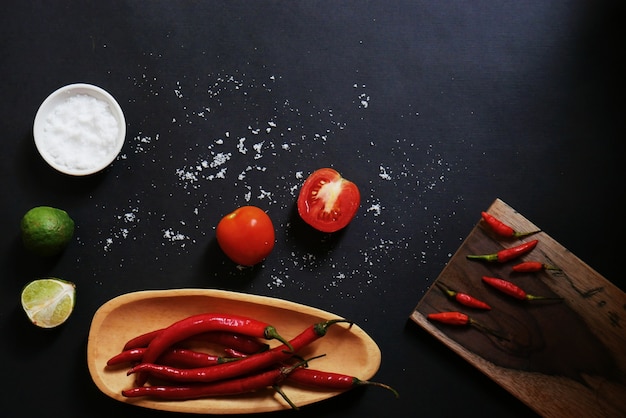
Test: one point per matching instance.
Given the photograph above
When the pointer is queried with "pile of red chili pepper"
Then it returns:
(165, 370)
(509, 288)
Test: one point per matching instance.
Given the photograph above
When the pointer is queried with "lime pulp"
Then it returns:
(48, 302)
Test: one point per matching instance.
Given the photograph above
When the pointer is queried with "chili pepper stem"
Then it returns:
(280, 391)
(523, 234)
(483, 257)
(271, 333)
(285, 372)
(449, 292)
(533, 297)
(322, 327)
(359, 382)
(301, 363)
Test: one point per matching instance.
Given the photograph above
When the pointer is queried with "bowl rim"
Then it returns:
(57, 97)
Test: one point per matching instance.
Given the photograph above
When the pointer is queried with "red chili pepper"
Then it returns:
(503, 229)
(507, 253)
(202, 323)
(532, 266)
(232, 353)
(127, 356)
(141, 340)
(330, 380)
(227, 387)
(461, 319)
(258, 381)
(244, 343)
(512, 289)
(450, 318)
(179, 357)
(249, 364)
(463, 298)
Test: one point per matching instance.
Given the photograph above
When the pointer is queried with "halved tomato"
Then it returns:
(327, 201)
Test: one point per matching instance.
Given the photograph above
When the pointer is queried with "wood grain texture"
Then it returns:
(561, 358)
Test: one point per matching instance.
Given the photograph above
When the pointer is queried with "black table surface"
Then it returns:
(434, 109)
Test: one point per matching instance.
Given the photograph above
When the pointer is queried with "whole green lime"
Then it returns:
(46, 231)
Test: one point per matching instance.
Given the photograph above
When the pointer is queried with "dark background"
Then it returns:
(434, 109)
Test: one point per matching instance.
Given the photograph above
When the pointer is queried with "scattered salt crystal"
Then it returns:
(264, 194)
(130, 219)
(276, 281)
(241, 146)
(174, 236)
(375, 208)
(383, 173)
(258, 147)
(364, 100)
(220, 159)
(177, 91)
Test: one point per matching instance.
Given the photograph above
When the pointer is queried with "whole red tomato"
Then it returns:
(327, 201)
(246, 235)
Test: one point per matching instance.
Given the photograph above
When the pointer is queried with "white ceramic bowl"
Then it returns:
(79, 129)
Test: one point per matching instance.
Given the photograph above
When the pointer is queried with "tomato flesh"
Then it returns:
(327, 201)
(246, 235)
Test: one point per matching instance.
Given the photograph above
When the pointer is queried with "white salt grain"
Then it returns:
(80, 133)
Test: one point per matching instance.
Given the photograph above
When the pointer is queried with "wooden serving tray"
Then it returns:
(561, 358)
(348, 349)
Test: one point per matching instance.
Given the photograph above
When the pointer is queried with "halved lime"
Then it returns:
(48, 302)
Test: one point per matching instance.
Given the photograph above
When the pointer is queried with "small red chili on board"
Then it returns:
(532, 266)
(502, 229)
(450, 318)
(513, 290)
(463, 298)
(506, 254)
(461, 319)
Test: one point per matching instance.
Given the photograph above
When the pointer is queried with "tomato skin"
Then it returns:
(246, 235)
(327, 201)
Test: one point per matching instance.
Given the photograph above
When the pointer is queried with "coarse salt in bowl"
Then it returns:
(79, 129)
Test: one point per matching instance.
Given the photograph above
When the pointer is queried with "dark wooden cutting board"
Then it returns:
(561, 358)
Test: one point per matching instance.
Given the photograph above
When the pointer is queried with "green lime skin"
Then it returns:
(46, 231)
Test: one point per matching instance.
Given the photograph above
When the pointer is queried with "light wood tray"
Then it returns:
(347, 349)
(564, 358)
